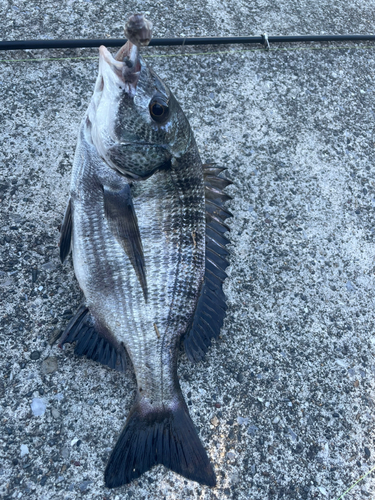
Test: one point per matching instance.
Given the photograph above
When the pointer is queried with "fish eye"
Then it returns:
(159, 109)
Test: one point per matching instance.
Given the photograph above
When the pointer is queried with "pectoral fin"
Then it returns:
(123, 223)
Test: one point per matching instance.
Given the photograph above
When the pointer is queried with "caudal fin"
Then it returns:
(160, 435)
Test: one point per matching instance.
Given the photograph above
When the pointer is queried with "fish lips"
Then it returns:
(126, 65)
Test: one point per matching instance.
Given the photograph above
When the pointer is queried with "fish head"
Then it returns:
(134, 121)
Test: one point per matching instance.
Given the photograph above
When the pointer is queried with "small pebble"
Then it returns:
(242, 421)
(349, 286)
(24, 450)
(38, 407)
(367, 452)
(55, 413)
(35, 355)
(322, 490)
(84, 486)
(48, 266)
(215, 421)
(49, 365)
(252, 429)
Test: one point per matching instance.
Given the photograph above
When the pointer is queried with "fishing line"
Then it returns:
(358, 481)
(190, 54)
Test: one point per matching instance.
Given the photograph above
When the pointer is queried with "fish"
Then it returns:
(145, 222)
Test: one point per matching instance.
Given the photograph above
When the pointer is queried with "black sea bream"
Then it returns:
(145, 222)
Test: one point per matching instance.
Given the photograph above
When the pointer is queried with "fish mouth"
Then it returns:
(129, 51)
(126, 65)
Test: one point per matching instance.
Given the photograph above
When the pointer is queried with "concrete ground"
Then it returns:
(284, 401)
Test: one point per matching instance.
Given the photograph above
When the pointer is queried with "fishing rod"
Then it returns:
(264, 40)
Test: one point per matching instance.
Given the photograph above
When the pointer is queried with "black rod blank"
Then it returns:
(164, 42)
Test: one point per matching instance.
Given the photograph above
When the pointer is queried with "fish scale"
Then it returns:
(138, 222)
(155, 272)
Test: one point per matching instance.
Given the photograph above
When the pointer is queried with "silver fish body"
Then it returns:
(174, 263)
(136, 224)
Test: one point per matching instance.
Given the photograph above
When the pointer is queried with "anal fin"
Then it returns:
(93, 341)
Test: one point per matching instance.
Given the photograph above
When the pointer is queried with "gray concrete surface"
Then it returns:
(284, 401)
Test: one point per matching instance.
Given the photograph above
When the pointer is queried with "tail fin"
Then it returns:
(158, 435)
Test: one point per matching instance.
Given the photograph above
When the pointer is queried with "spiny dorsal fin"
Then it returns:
(211, 307)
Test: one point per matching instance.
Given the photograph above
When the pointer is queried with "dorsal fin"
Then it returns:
(211, 307)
